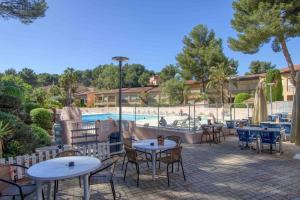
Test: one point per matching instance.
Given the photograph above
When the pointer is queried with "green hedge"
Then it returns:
(42, 135)
(240, 98)
(42, 118)
(30, 106)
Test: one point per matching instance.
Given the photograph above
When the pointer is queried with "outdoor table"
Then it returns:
(251, 128)
(145, 145)
(280, 123)
(58, 169)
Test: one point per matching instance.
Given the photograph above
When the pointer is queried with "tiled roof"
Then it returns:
(138, 89)
(286, 69)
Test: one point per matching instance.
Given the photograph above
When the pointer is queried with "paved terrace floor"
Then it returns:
(220, 171)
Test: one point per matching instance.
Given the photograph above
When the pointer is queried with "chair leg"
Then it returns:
(201, 138)
(124, 157)
(182, 170)
(79, 180)
(209, 140)
(147, 159)
(125, 171)
(113, 189)
(138, 174)
(172, 167)
(168, 175)
(55, 190)
(178, 166)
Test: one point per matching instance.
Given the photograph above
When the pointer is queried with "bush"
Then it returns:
(9, 103)
(30, 106)
(239, 99)
(42, 135)
(42, 118)
(22, 140)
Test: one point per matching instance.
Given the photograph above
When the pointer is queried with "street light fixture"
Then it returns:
(270, 85)
(120, 59)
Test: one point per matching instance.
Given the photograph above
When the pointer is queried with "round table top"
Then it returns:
(145, 144)
(251, 128)
(57, 168)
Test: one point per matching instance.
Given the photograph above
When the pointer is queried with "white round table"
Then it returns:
(145, 145)
(58, 169)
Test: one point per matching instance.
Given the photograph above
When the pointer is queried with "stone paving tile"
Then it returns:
(221, 171)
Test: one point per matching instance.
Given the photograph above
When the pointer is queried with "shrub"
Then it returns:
(42, 135)
(42, 118)
(30, 106)
(240, 98)
(274, 76)
(22, 140)
(9, 103)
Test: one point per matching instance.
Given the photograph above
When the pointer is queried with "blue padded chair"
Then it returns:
(278, 126)
(264, 125)
(230, 124)
(269, 137)
(244, 137)
(272, 118)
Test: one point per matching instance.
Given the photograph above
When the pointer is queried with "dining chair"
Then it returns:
(134, 158)
(244, 137)
(173, 138)
(128, 143)
(206, 131)
(219, 133)
(12, 186)
(66, 153)
(230, 125)
(269, 137)
(106, 173)
(172, 158)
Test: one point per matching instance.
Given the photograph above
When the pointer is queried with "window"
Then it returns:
(290, 86)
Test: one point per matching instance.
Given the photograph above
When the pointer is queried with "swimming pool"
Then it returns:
(128, 117)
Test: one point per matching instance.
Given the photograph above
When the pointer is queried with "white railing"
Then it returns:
(100, 151)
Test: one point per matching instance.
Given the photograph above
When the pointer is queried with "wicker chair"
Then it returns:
(102, 175)
(207, 132)
(66, 153)
(174, 138)
(173, 157)
(11, 186)
(219, 133)
(133, 158)
(128, 143)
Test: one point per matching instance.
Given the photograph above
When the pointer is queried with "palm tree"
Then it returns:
(5, 131)
(69, 81)
(218, 78)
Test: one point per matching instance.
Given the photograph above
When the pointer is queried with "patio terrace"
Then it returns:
(221, 171)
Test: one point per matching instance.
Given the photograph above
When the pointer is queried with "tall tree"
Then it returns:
(144, 79)
(69, 81)
(261, 21)
(29, 76)
(259, 67)
(132, 73)
(24, 10)
(176, 91)
(201, 51)
(168, 72)
(45, 79)
(274, 76)
(218, 79)
(10, 71)
(108, 78)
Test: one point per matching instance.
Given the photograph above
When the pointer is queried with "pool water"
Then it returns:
(128, 117)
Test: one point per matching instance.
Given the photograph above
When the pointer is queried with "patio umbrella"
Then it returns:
(296, 113)
(260, 104)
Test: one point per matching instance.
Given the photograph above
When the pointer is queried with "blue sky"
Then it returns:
(84, 34)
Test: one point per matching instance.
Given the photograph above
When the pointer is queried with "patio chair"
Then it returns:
(271, 138)
(207, 132)
(133, 158)
(174, 138)
(219, 133)
(244, 137)
(11, 186)
(230, 124)
(255, 134)
(171, 159)
(66, 153)
(128, 143)
(105, 176)
(287, 130)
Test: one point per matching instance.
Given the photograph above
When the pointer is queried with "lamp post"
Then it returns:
(270, 85)
(120, 59)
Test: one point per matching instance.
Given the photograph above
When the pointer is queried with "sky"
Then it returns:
(84, 34)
